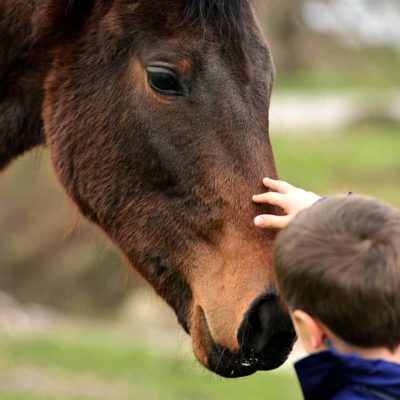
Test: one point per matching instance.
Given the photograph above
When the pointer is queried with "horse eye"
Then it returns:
(165, 81)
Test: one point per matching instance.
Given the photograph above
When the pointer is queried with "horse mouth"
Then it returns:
(240, 364)
(244, 362)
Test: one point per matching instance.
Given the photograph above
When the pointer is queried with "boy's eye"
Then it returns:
(165, 81)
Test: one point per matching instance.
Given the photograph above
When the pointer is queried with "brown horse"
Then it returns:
(155, 114)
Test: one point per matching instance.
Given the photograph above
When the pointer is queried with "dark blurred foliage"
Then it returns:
(294, 45)
(285, 31)
(308, 60)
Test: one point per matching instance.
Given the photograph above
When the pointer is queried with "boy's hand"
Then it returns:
(291, 199)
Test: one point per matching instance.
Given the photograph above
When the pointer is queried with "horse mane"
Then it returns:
(226, 15)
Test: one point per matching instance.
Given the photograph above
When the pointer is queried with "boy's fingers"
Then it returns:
(272, 221)
(259, 198)
(278, 186)
(274, 198)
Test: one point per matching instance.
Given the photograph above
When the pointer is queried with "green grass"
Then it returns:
(365, 160)
(367, 71)
(19, 396)
(154, 376)
(16, 396)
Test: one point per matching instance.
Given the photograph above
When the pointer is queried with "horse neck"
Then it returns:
(21, 77)
(15, 29)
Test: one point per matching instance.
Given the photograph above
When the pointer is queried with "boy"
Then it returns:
(338, 269)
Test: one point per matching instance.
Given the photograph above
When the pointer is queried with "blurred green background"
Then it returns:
(77, 323)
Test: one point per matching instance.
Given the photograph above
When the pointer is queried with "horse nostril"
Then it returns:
(265, 321)
(261, 323)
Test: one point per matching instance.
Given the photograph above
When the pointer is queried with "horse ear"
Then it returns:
(55, 19)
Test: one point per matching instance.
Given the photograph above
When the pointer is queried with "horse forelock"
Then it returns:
(226, 15)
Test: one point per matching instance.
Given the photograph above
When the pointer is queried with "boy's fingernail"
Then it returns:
(259, 221)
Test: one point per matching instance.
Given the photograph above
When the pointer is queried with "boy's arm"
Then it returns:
(291, 199)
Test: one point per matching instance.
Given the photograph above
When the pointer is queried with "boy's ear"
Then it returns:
(54, 19)
(310, 331)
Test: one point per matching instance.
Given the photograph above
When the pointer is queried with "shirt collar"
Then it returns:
(323, 374)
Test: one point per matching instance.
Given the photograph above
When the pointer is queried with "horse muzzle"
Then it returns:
(264, 340)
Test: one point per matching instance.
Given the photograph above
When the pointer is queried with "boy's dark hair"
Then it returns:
(339, 261)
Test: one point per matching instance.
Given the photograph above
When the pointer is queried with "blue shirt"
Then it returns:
(329, 375)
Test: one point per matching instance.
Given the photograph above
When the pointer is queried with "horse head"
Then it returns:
(155, 114)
